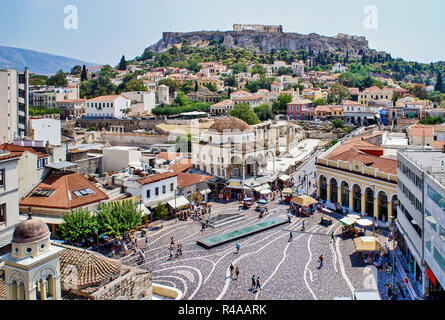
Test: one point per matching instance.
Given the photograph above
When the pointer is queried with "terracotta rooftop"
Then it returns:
(92, 268)
(10, 155)
(107, 98)
(182, 165)
(169, 155)
(156, 177)
(358, 148)
(65, 192)
(20, 149)
(188, 179)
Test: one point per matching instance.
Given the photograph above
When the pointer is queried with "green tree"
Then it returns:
(161, 211)
(280, 104)
(439, 83)
(239, 67)
(58, 80)
(211, 87)
(258, 69)
(395, 97)
(419, 91)
(117, 218)
(319, 102)
(264, 112)
(84, 74)
(244, 112)
(78, 227)
(122, 64)
(76, 70)
(338, 94)
(187, 86)
(284, 70)
(135, 85)
(338, 123)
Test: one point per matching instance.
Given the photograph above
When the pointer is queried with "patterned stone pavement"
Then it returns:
(287, 270)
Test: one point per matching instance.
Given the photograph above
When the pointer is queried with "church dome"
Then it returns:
(230, 123)
(31, 230)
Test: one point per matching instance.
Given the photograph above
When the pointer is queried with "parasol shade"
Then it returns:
(262, 201)
(354, 216)
(304, 200)
(364, 222)
(363, 244)
(347, 221)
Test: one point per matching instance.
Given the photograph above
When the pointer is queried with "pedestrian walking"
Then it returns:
(237, 247)
(302, 226)
(291, 236)
(237, 272)
(231, 270)
(146, 241)
(332, 237)
(320, 259)
(253, 283)
(258, 285)
(172, 242)
(171, 254)
(289, 216)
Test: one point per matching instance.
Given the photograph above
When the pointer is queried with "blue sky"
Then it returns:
(413, 30)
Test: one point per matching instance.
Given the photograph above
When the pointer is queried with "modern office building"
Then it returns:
(13, 104)
(421, 217)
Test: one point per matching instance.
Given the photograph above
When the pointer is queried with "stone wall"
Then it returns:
(130, 139)
(135, 285)
(92, 164)
(129, 125)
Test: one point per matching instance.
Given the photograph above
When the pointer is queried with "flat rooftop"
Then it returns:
(430, 160)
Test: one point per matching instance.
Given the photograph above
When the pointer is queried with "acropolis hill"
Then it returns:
(264, 37)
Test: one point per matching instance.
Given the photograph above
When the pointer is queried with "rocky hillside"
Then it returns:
(263, 41)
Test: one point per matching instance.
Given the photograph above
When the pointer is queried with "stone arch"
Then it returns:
(249, 160)
(383, 206)
(236, 160)
(369, 201)
(394, 202)
(334, 189)
(15, 276)
(44, 272)
(357, 197)
(344, 186)
(323, 183)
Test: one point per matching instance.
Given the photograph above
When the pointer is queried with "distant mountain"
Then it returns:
(37, 62)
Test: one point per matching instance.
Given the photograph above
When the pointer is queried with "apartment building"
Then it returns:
(421, 217)
(112, 106)
(14, 104)
(9, 195)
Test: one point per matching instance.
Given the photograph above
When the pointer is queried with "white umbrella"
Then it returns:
(364, 222)
(354, 216)
(265, 191)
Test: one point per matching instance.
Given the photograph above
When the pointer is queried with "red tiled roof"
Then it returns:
(188, 179)
(181, 166)
(10, 155)
(20, 149)
(156, 177)
(63, 196)
(168, 155)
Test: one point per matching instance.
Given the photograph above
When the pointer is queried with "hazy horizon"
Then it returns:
(108, 29)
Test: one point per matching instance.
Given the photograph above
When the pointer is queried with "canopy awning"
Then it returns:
(261, 187)
(364, 222)
(234, 185)
(265, 191)
(304, 200)
(284, 177)
(348, 221)
(180, 202)
(287, 191)
(367, 244)
(205, 191)
(144, 210)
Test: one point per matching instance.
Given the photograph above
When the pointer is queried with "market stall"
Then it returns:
(179, 205)
(287, 194)
(348, 229)
(307, 203)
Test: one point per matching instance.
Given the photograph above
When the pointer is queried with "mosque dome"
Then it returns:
(230, 123)
(30, 230)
